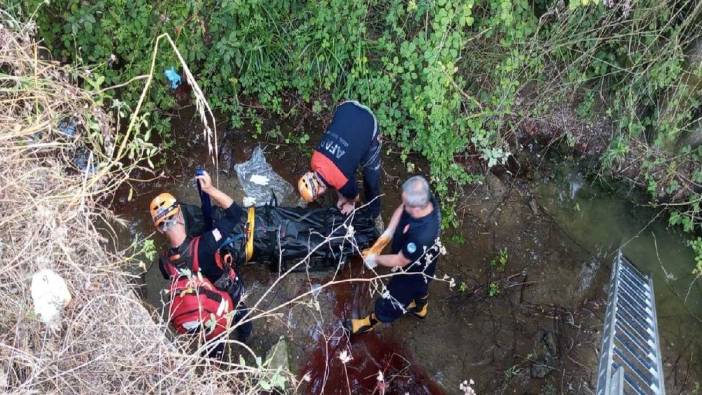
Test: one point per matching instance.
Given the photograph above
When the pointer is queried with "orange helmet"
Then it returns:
(309, 186)
(163, 207)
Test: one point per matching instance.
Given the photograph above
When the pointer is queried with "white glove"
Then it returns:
(370, 262)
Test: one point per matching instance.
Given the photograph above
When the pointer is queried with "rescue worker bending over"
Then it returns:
(414, 234)
(188, 256)
(352, 140)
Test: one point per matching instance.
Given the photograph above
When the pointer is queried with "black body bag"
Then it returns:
(283, 236)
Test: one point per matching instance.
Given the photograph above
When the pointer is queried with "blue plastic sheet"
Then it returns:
(173, 78)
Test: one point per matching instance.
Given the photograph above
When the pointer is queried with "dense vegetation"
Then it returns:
(450, 80)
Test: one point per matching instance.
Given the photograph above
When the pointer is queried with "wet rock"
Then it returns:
(575, 182)
(546, 355)
(276, 380)
(587, 274)
(493, 198)
(497, 188)
(278, 356)
(533, 206)
(549, 340)
(539, 370)
(226, 152)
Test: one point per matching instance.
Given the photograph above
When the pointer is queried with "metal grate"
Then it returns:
(630, 358)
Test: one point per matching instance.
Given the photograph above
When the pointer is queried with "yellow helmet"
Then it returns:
(163, 207)
(309, 186)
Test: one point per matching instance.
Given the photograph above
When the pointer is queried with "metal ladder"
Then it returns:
(630, 356)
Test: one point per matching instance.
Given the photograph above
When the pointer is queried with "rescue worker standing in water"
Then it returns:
(351, 141)
(201, 251)
(413, 233)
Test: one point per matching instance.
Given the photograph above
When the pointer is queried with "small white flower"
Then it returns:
(345, 357)
(380, 376)
(307, 378)
(440, 246)
(466, 387)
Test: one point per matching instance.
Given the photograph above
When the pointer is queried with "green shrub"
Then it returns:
(444, 77)
(402, 59)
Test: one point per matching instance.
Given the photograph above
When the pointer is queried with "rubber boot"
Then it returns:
(419, 307)
(361, 325)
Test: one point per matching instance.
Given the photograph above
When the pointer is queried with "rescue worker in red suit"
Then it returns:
(169, 221)
(352, 141)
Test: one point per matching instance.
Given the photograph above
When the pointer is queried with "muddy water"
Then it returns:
(602, 223)
(376, 362)
(530, 327)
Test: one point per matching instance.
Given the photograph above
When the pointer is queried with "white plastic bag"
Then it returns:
(50, 295)
(260, 182)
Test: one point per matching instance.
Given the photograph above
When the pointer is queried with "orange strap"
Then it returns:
(250, 223)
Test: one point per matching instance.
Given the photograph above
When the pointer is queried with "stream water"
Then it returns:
(601, 223)
(560, 234)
